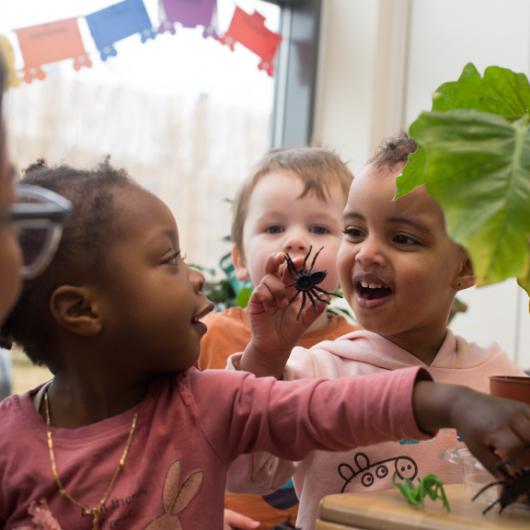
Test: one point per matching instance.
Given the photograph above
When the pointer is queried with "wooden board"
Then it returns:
(388, 510)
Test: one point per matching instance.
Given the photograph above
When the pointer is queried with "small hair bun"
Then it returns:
(39, 164)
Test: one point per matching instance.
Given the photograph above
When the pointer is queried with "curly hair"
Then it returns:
(393, 150)
(79, 255)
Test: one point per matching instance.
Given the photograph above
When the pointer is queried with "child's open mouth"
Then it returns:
(371, 291)
(196, 322)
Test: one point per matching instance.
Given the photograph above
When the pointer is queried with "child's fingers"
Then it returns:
(285, 273)
(517, 444)
(510, 443)
(233, 520)
(312, 311)
(487, 457)
(273, 263)
(271, 293)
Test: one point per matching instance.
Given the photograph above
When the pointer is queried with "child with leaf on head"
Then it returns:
(399, 272)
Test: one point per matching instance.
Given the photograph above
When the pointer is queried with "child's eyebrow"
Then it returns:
(272, 213)
(408, 221)
(166, 233)
(348, 214)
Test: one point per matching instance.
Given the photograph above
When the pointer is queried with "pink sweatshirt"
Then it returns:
(371, 467)
(190, 427)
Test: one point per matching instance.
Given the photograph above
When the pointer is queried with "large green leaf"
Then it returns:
(477, 166)
(500, 92)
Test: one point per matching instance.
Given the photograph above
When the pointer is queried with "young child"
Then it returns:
(47, 213)
(399, 272)
(128, 434)
(292, 202)
(10, 259)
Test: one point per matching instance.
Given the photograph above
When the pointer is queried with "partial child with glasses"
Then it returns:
(399, 272)
(128, 434)
(25, 212)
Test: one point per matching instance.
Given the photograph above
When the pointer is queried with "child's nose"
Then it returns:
(295, 241)
(197, 280)
(369, 252)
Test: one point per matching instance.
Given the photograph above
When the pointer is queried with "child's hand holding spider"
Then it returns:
(278, 318)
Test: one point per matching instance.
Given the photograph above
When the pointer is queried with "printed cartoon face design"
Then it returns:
(404, 467)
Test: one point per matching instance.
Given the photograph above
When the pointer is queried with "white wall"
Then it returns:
(380, 62)
(346, 72)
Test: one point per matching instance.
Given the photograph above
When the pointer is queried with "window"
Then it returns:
(185, 115)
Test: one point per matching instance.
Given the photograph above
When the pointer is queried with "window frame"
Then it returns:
(296, 72)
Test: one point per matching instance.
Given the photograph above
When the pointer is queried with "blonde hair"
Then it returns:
(319, 169)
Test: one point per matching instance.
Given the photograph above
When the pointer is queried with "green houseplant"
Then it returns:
(474, 158)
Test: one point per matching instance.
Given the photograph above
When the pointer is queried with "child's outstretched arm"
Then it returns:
(494, 429)
(276, 323)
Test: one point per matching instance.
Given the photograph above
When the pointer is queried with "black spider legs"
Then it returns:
(316, 287)
(290, 265)
(314, 257)
(502, 467)
(482, 490)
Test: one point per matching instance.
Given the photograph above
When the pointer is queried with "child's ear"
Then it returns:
(74, 309)
(239, 264)
(465, 277)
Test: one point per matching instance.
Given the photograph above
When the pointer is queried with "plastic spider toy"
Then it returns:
(513, 486)
(306, 282)
(429, 485)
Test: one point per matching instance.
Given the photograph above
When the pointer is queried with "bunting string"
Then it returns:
(61, 40)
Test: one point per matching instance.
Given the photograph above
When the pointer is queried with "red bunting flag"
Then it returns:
(49, 43)
(250, 31)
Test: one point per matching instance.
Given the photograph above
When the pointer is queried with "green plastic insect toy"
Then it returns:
(429, 485)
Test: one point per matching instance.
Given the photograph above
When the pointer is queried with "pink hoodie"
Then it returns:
(369, 468)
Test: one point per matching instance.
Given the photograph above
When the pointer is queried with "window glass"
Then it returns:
(185, 115)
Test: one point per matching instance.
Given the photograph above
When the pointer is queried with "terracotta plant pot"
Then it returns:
(511, 387)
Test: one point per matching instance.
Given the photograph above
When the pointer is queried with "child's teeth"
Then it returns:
(367, 285)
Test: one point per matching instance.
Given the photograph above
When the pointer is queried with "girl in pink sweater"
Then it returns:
(128, 434)
(400, 272)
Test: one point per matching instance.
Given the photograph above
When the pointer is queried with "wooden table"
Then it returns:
(388, 510)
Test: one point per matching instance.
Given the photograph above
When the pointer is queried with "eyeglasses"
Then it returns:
(37, 216)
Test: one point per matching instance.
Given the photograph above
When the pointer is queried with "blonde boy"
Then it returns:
(292, 202)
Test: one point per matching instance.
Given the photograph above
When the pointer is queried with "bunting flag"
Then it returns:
(188, 13)
(9, 59)
(250, 31)
(49, 43)
(59, 40)
(118, 22)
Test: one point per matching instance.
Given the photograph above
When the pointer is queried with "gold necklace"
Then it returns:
(94, 511)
